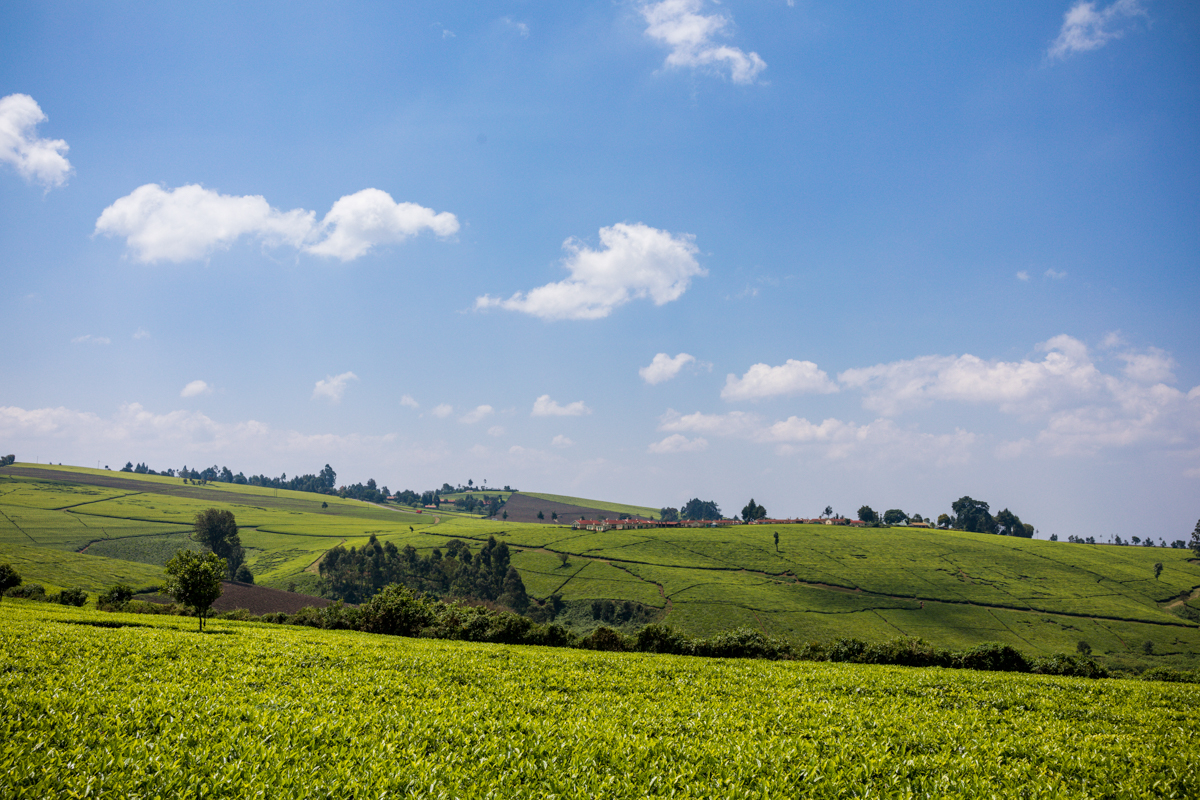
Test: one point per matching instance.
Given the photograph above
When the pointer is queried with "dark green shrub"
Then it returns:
(115, 598)
(655, 638)
(1170, 675)
(243, 574)
(1075, 666)
(395, 611)
(70, 597)
(846, 650)
(605, 638)
(9, 578)
(743, 643)
(993, 657)
(29, 591)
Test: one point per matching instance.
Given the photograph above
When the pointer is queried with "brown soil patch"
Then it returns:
(255, 599)
(523, 508)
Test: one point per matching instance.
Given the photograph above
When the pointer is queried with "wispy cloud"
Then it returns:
(442, 411)
(191, 222)
(663, 367)
(141, 333)
(1023, 276)
(545, 407)
(678, 443)
(561, 441)
(634, 262)
(36, 160)
(333, 387)
(1086, 28)
(408, 402)
(87, 338)
(1055, 275)
(196, 388)
(679, 25)
(476, 414)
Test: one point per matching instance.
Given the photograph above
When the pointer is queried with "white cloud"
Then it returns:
(365, 219)
(195, 388)
(1084, 28)
(679, 25)
(87, 338)
(545, 407)
(496, 430)
(1112, 339)
(635, 262)
(38, 160)
(191, 222)
(794, 377)
(1055, 274)
(663, 367)
(333, 387)
(678, 443)
(732, 424)
(1023, 275)
(561, 441)
(141, 333)
(408, 402)
(476, 414)
(442, 411)
(177, 436)
(1153, 366)
(1065, 372)
(520, 27)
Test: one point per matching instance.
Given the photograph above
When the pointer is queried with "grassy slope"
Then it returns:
(156, 709)
(616, 508)
(952, 588)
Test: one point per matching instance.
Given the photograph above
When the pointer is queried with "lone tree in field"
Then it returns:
(195, 580)
(776, 541)
(217, 530)
(894, 516)
(8, 578)
(868, 515)
(1195, 543)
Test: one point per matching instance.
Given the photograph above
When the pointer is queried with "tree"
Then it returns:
(541, 515)
(828, 512)
(195, 580)
(6, 460)
(128, 467)
(753, 511)
(669, 514)
(776, 541)
(1010, 524)
(216, 529)
(1195, 543)
(554, 516)
(944, 521)
(973, 515)
(1158, 569)
(8, 578)
(868, 515)
(504, 515)
(894, 516)
(697, 509)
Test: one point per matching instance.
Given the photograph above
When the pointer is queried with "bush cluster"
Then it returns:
(35, 591)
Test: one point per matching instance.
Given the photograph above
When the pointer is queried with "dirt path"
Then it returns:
(1183, 598)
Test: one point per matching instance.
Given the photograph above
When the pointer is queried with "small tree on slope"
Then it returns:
(195, 580)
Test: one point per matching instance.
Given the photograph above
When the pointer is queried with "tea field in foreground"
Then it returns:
(70, 526)
(249, 710)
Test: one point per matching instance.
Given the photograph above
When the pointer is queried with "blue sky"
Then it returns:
(811, 253)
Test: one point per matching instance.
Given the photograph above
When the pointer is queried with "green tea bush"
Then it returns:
(992, 657)
(743, 643)
(28, 591)
(607, 640)
(1076, 666)
(69, 597)
(115, 598)
(1170, 675)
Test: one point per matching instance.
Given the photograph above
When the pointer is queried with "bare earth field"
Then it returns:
(255, 599)
(523, 508)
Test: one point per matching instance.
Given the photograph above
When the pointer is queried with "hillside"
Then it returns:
(76, 527)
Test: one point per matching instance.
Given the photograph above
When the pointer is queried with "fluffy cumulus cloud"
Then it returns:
(191, 222)
(36, 160)
(545, 407)
(794, 377)
(561, 441)
(634, 262)
(195, 389)
(1086, 27)
(663, 367)
(680, 25)
(408, 402)
(476, 414)
(333, 387)
(443, 410)
(1152, 366)
(678, 443)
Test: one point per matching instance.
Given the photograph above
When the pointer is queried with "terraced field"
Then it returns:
(147, 707)
(955, 589)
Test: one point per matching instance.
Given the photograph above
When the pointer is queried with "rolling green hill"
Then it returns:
(64, 527)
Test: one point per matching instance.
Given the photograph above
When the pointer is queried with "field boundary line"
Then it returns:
(18, 527)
